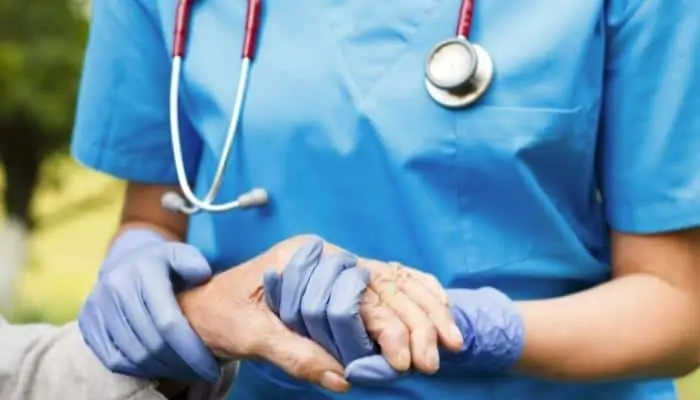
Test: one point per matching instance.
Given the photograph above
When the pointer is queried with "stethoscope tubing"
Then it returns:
(206, 203)
(252, 23)
(255, 197)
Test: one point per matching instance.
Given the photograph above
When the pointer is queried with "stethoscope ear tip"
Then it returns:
(253, 198)
(173, 202)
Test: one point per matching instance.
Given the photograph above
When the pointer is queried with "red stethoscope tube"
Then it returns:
(466, 14)
(250, 35)
(182, 19)
(252, 25)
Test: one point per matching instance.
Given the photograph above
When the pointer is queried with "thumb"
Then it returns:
(303, 359)
(371, 370)
(188, 264)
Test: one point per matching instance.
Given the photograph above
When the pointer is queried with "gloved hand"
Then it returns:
(323, 298)
(132, 321)
(326, 299)
(331, 319)
(493, 333)
(322, 301)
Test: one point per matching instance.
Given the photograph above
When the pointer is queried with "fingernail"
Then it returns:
(456, 335)
(333, 381)
(433, 359)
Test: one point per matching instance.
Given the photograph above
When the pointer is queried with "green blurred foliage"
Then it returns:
(41, 52)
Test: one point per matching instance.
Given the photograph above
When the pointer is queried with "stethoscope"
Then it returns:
(457, 74)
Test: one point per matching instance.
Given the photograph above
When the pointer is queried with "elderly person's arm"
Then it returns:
(47, 362)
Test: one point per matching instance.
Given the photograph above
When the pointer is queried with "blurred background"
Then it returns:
(57, 217)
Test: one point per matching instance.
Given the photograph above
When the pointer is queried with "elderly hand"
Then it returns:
(230, 315)
(327, 299)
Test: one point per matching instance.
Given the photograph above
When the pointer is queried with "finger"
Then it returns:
(432, 284)
(438, 313)
(188, 263)
(317, 298)
(344, 317)
(137, 315)
(300, 357)
(423, 336)
(371, 370)
(295, 278)
(424, 345)
(93, 329)
(164, 311)
(387, 329)
(128, 343)
(272, 286)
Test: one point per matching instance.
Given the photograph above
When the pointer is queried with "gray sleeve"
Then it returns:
(47, 362)
(39, 362)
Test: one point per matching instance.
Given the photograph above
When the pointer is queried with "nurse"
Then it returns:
(571, 188)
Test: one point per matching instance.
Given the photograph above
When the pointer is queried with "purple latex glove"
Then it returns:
(132, 321)
(319, 297)
(493, 333)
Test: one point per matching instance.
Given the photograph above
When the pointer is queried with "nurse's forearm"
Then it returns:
(634, 326)
(142, 209)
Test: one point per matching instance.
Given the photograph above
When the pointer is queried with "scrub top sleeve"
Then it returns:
(122, 120)
(649, 154)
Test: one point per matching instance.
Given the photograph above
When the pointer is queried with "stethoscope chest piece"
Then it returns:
(458, 72)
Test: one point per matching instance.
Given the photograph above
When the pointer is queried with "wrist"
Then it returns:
(492, 327)
(210, 318)
(210, 308)
(196, 307)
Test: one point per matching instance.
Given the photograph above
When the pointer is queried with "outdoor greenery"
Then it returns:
(41, 48)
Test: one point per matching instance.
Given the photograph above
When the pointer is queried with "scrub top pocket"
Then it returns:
(526, 184)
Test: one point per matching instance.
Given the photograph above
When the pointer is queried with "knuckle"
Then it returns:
(430, 280)
(141, 356)
(338, 313)
(374, 317)
(112, 280)
(370, 297)
(167, 321)
(393, 333)
(397, 274)
(111, 363)
(384, 284)
(313, 312)
(114, 361)
(300, 366)
(396, 269)
(157, 345)
(404, 280)
(431, 314)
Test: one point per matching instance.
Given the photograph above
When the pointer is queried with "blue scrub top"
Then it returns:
(593, 121)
